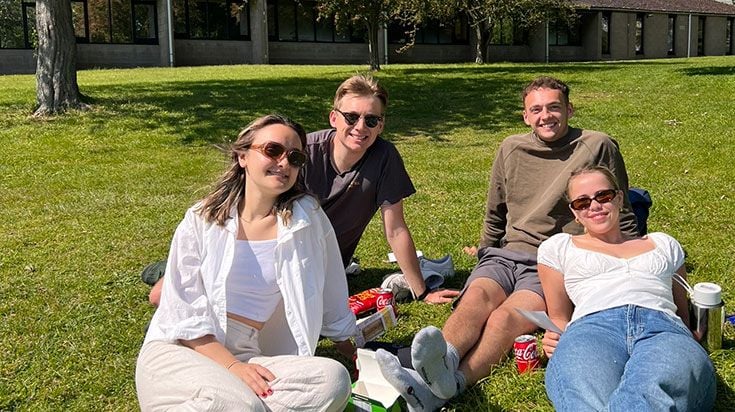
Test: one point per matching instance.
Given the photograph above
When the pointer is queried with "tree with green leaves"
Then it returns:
(56, 72)
(346, 13)
(486, 15)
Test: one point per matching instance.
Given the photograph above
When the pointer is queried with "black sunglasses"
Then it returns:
(275, 151)
(603, 196)
(371, 120)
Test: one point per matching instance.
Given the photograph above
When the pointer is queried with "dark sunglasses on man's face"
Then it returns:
(603, 196)
(275, 151)
(371, 120)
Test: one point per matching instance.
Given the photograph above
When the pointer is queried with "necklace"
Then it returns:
(256, 218)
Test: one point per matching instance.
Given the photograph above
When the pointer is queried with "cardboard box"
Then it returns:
(375, 325)
(371, 392)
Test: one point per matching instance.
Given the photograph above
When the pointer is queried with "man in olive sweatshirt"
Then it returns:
(526, 204)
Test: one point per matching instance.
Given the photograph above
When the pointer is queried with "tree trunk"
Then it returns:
(56, 76)
(479, 46)
(372, 28)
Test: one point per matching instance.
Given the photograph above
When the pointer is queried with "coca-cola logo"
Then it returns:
(384, 301)
(526, 354)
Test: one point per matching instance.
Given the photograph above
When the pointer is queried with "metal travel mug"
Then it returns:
(708, 314)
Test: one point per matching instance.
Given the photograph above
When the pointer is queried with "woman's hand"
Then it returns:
(255, 376)
(550, 340)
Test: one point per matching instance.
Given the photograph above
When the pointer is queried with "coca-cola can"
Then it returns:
(385, 298)
(525, 352)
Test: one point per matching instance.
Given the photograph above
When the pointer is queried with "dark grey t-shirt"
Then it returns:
(350, 199)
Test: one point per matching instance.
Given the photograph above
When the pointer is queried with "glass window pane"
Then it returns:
(11, 25)
(639, 34)
(99, 21)
(179, 10)
(77, 19)
(198, 19)
(305, 22)
(430, 33)
(145, 21)
(445, 33)
(324, 30)
(217, 15)
(286, 21)
(239, 13)
(122, 21)
(272, 28)
(460, 31)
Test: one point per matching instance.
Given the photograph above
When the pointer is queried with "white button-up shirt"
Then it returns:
(309, 274)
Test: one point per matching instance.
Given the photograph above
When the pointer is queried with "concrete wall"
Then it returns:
(620, 44)
(497, 53)
(318, 53)
(655, 33)
(117, 55)
(212, 52)
(431, 53)
(17, 61)
(590, 30)
(715, 31)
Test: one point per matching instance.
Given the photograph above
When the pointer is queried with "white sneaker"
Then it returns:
(444, 266)
(397, 284)
(353, 268)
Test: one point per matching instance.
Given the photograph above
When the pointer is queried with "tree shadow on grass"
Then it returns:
(709, 71)
(210, 111)
(429, 101)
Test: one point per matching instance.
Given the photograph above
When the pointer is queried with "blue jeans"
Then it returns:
(630, 358)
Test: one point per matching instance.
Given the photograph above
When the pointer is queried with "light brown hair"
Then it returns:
(229, 190)
(361, 85)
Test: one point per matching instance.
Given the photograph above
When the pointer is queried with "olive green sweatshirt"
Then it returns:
(526, 201)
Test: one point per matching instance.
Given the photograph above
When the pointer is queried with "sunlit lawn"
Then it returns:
(87, 199)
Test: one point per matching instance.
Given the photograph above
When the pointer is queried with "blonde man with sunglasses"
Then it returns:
(525, 205)
(354, 173)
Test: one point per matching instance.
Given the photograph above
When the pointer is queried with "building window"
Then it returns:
(700, 36)
(671, 35)
(506, 32)
(639, 23)
(13, 24)
(145, 21)
(299, 21)
(562, 34)
(605, 32)
(30, 35)
(729, 35)
(211, 19)
(454, 32)
(79, 17)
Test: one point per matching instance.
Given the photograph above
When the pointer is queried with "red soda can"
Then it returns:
(525, 352)
(385, 298)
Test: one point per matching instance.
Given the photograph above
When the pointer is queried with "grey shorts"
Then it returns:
(512, 270)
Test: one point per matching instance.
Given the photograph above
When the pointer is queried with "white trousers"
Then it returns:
(170, 376)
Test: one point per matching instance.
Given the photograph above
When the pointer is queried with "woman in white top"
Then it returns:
(253, 278)
(626, 345)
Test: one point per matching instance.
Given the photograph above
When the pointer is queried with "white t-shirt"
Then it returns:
(595, 281)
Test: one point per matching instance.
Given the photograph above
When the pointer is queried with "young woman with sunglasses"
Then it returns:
(626, 345)
(253, 278)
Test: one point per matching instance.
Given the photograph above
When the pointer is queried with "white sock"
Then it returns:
(408, 383)
(437, 362)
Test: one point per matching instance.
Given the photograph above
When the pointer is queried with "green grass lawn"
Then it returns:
(88, 199)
